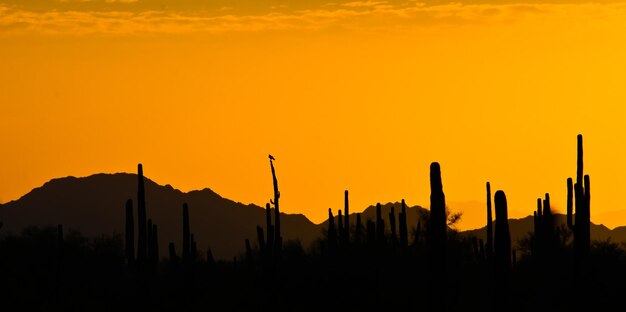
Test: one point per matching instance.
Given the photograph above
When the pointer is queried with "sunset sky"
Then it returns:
(346, 95)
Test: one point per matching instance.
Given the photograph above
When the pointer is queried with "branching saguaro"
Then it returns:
(579, 220)
(277, 234)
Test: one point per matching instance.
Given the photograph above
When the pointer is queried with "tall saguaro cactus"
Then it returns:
(277, 235)
(489, 246)
(332, 232)
(437, 228)
(142, 231)
(582, 200)
(404, 233)
(392, 226)
(346, 210)
(380, 225)
(437, 222)
(502, 244)
(340, 226)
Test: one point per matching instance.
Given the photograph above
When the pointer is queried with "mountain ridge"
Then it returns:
(85, 204)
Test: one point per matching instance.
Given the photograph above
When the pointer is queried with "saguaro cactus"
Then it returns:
(277, 234)
(489, 246)
(346, 210)
(404, 233)
(582, 213)
(548, 227)
(129, 241)
(392, 225)
(142, 231)
(437, 228)
(340, 225)
(380, 225)
(502, 243)
(332, 232)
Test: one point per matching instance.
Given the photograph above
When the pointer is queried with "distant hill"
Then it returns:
(521, 227)
(370, 213)
(95, 205)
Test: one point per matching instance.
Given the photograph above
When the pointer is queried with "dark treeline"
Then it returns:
(386, 263)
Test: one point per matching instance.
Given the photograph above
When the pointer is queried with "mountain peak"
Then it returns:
(95, 205)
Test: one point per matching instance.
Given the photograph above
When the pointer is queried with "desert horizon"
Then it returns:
(473, 211)
(313, 151)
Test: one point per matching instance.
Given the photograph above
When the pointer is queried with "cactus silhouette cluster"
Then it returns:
(145, 259)
(358, 263)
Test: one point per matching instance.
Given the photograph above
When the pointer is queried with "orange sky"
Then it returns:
(346, 95)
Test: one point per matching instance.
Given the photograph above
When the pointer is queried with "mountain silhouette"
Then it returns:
(519, 229)
(369, 213)
(95, 205)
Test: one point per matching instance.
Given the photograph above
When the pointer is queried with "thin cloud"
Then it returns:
(378, 16)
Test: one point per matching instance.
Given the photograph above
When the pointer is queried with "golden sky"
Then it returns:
(346, 95)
